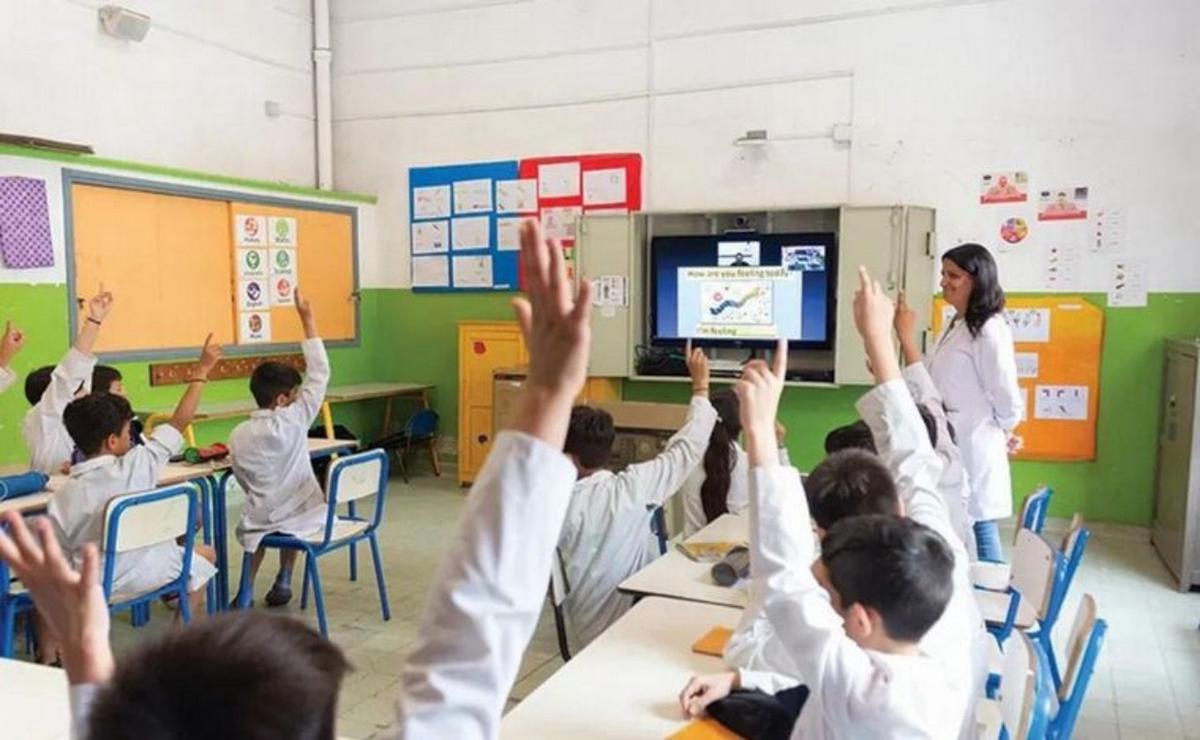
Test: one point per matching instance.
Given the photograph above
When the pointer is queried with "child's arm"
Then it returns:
(490, 587)
(98, 308)
(316, 375)
(10, 345)
(185, 411)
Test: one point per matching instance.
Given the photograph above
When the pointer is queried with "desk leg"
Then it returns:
(327, 417)
(190, 434)
(206, 533)
(387, 417)
(220, 541)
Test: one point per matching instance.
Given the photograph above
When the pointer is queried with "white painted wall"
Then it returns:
(1090, 92)
(190, 95)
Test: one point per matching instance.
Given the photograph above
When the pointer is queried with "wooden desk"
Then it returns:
(37, 502)
(676, 576)
(34, 701)
(626, 682)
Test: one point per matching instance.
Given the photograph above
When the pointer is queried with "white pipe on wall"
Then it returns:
(323, 93)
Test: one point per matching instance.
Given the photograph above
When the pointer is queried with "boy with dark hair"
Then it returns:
(849, 483)
(50, 389)
(270, 457)
(606, 537)
(112, 466)
(10, 346)
(108, 379)
(858, 435)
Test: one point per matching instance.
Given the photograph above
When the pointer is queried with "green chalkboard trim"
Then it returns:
(89, 160)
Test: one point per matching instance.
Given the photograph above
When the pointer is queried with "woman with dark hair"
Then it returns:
(721, 484)
(974, 368)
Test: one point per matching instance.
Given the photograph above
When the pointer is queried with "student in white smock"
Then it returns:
(975, 370)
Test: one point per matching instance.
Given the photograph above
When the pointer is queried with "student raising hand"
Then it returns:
(558, 334)
(10, 344)
(698, 370)
(758, 391)
(874, 315)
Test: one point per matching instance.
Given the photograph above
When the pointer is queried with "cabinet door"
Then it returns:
(488, 349)
(920, 266)
(870, 237)
(1174, 459)
(603, 254)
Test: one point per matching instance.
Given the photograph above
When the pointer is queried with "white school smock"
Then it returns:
(77, 511)
(7, 378)
(606, 537)
(854, 692)
(487, 595)
(270, 457)
(736, 500)
(977, 377)
(46, 436)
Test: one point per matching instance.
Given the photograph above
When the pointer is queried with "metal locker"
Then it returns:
(604, 255)
(1176, 531)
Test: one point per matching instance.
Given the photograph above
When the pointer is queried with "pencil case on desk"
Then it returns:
(14, 486)
(196, 455)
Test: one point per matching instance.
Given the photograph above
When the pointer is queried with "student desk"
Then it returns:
(626, 682)
(677, 576)
(37, 502)
(34, 701)
(317, 449)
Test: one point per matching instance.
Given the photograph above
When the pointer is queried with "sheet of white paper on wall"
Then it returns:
(472, 196)
(1127, 288)
(508, 234)
(471, 232)
(609, 291)
(1062, 266)
(1029, 324)
(254, 327)
(516, 196)
(560, 223)
(249, 230)
(431, 202)
(560, 180)
(604, 187)
(1062, 402)
(251, 263)
(283, 290)
(1107, 232)
(1027, 364)
(430, 237)
(282, 231)
(252, 294)
(473, 271)
(283, 262)
(431, 272)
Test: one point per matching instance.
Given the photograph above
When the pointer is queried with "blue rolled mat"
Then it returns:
(13, 486)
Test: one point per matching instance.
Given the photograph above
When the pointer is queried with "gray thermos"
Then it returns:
(735, 565)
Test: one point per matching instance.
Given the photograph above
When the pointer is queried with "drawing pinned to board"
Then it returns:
(604, 187)
(1127, 288)
(1029, 324)
(473, 271)
(1063, 204)
(431, 202)
(1004, 187)
(559, 223)
(254, 327)
(1014, 230)
(252, 294)
(508, 234)
(558, 180)
(1062, 267)
(472, 232)
(1062, 402)
(25, 239)
(472, 196)
(431, 272)
(1027, 364)
(249, 230)
(1108, 231)
(282, 231)
(283, 262)
(516, 196)
(430, 237)
(251, 263)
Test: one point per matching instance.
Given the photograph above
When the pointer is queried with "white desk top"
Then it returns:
(33, 701)
(626, 682)
(678, 577)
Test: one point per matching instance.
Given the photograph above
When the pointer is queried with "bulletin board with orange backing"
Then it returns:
(167, 254)
(1057, 341)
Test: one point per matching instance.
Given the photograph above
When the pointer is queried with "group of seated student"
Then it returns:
(876, 636)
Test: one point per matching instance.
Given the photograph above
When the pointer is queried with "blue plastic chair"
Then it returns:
(1083, 648)
(1034, 594)
(420, 428)
(137, 520)
(12, 603)
(1035, 508)
(658, 526)
(1074, 545)
(350, 479)
(1026, 695)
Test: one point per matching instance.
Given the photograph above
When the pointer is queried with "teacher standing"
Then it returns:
(974, 367)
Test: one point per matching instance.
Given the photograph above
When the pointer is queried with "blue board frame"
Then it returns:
(504, 263)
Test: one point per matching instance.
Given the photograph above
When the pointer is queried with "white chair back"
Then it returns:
(1033, 570)
(1017, 685)
(356, 476)
(146, 524)
(1085, 620)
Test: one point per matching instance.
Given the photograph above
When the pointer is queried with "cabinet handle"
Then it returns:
(482, 439)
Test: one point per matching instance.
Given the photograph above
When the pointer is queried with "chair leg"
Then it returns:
(350, 509)
(246, 587)
(401, 464)
(383, 597)
(1043, 637)
(433, 456)
(304, 586)
(7, 625)
(318, 597)
(185, 606)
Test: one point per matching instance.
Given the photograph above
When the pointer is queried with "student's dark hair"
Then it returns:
(849, 483)
(590, 436)
(92, 418)
(893, 565)
(103, 376)
(272, 379)
(987, 297)
(243, 676)
(36, 384)
(720, 455)
(857, 436)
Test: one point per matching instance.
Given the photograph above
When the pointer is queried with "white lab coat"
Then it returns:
(270, 457)
(855, 692)
(46, 437)
(606, 537)
(7, 378)
(977, 377)
(488, 594)
(953, 486)
(736, 500)
(77, 511)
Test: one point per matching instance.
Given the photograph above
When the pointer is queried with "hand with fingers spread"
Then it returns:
(873, 316)
(704, 690)
(10, 344)
(698, 370)
(72, 603)
(759, 390)
(557, 333)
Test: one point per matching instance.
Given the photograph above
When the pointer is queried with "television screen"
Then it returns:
(743, 290)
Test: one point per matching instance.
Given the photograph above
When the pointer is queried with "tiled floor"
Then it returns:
(1147, 684)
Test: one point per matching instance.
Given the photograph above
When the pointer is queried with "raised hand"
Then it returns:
(557, 334)
(905, 323)
(10, 344)
(759, 391)
(698, 370)
(71, 602)
(873, 316)
(100, 304)
(210, 355)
